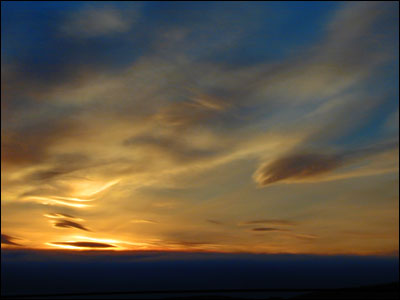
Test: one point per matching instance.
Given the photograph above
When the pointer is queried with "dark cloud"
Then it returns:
(196, 238)
(269, 222)
(85, 244)
(298, 166)
(70, 224)
(6, 239)
(268, 229)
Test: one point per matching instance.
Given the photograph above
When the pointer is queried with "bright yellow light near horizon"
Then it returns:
(89, 239)
(65, 246)
(109, 244)
(73, 247)
(113, 241)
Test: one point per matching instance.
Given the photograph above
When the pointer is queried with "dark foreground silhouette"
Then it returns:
(383, 291)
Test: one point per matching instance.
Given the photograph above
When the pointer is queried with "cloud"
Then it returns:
(170, 147)
(63, 164)
(268, 229)
(69, 224)
(268, 222)
(286, 233)
(348, 53)
(59, 215)
(30, 144)
(84, 244)
(215, 222)
(94, 22)
(189, 243)
(303, 166)
(143, 221)
(201, 240)
(297, 166)
(8, 240)
(194, 110)
(307, 237)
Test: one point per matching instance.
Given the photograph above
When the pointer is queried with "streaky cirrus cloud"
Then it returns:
(97, 21)
(269, 222)
(269, 229)
(143, 221)
(306, 237)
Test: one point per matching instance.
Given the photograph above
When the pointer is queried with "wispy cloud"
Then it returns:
(143, 221)
(59, 215)
(94, 21)
(306, 237)
(269, 229)
(269, 222)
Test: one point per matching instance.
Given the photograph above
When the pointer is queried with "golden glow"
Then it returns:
(110, 244)
(85, 238)
(112, 241)
(72, 247)
(67, 246)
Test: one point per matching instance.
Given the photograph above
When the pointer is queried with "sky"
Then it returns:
(227, 127)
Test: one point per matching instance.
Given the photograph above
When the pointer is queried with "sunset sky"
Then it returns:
(264, 127)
